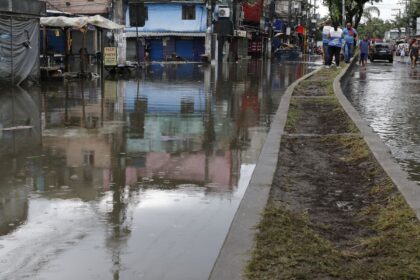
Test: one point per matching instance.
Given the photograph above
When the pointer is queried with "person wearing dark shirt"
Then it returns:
(350, 34)
(364, 51)
(414, 53)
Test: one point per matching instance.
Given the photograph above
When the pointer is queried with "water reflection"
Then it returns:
(132, 175)
(20, 132)
(388, 98)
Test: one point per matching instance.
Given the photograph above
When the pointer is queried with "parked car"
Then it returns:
(381, 51)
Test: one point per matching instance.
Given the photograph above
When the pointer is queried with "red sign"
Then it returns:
(300, 29)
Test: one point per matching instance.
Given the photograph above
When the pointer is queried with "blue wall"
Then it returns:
(167, 17)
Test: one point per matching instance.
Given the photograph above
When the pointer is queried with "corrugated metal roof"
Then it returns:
(164, 34)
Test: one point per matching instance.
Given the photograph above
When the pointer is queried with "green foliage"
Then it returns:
(354, 10)
(375, 28)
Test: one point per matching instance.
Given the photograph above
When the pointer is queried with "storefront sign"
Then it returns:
(110, 56)
(240, 33)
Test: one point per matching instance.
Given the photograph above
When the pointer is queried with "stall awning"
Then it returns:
(79, 22)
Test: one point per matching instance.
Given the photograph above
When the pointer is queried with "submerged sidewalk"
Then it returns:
(334, 210)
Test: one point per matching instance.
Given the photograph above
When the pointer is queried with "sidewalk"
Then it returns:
(332, 211)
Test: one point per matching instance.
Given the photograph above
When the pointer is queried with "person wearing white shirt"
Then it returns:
(325, 40)
(335, 44)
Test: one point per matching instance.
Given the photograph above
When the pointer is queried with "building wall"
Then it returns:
(81, 6)
(168, 18)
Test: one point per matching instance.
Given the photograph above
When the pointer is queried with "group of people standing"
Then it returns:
(335, 39)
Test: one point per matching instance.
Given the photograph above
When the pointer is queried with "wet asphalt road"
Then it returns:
(131, 178)
(388, 97)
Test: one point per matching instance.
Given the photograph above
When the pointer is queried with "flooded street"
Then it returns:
(140, 180)
(387, 96)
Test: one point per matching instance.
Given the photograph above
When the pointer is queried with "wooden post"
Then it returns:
(82, 53)
(44, 45)
(66, 49)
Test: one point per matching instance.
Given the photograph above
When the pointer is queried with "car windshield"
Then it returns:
(381, 47)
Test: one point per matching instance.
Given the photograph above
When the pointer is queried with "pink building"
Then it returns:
(81, 6)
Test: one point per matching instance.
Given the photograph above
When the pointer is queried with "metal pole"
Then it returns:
(407, 24)
(344, 13)
(12, 67)
(83, 54)
(44, 46)
(289, 21)
(138, 46)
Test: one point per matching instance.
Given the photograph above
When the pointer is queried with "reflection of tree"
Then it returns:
(69, 105)
(209, 134)
(118, 219)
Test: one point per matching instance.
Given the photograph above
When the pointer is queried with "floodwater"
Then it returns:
(387, 96)
(140, 180)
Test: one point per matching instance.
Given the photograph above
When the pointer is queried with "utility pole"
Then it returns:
(344, 13)
(118, 17)
(398, 16)
(407, 25)
(406, 3)
(290, 16)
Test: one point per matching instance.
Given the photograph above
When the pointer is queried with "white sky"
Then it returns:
(385, 7)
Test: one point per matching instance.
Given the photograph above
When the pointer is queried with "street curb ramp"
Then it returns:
(239, 242)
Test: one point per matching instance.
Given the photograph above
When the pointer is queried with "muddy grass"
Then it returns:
(332, 213)
(318, 116)
(314, 88)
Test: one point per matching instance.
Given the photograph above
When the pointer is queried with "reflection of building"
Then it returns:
(20, 136)
(20, 122)
(73, 109)
(174, 144)
(76, 137)
(13, 205)
(168, 128)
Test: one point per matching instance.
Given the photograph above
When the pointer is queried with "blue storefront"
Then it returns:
(156, 50)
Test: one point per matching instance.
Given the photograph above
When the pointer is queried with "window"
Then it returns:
(188, 12)
(89, 158)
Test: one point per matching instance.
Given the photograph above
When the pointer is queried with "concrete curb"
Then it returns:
(409, 189)
(238, 244)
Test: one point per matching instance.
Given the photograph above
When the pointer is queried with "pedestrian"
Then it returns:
(364, 51)
(414, 53)
(350, 35)
(335, 44)
(325, 40)
(402, 54)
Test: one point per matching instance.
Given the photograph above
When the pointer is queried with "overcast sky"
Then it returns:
(385, 7)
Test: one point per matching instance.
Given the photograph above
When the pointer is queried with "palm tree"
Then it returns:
(368, 12)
